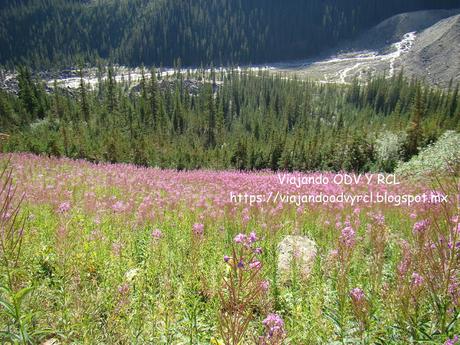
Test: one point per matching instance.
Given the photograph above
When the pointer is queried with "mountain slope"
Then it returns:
(425, 44)
(435, 54)
(154, 32)
(394, 28)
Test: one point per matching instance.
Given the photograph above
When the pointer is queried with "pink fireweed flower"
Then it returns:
(198, 229)
(451, 243)
(157, 234)
(274, 326)
(258, 250)
(420, 227)
(357, 295)
(265, 285)
(379, 218)
(119, 206)
(226, 258)
(64, 207)
(6, 216)
(240, 238)
(255, 265)
(123, 289)
(359, 304)
(430, 245)
(454, 290)
(246, 240)
(417, 280)
(406, 260)
(252, 237)
(452, 341)
(456, 228)
(348, 236)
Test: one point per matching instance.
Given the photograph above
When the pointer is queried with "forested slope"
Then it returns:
(243, 120)
(132, 32)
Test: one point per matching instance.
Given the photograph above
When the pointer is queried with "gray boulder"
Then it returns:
(297, 251)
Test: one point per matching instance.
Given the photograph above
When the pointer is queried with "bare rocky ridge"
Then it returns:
(435, 55)
(425, 44)
(394, 28)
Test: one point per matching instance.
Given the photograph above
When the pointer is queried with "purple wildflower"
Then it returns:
(198, 229)
(417, 280)
(357, 295)
(265, 285)
(379, 218)
(454, 290)
(452, 341)
(119, 206)
(420, 227)
(274, 325)
(252, 237)
(255, 264)
(348, 236)
(123, 289)
(258, 250)
(240, 238)
(246, 240)
(456, 228)
(64, 207)
(157, 234)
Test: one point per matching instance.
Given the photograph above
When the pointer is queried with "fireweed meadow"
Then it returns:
(118, 254)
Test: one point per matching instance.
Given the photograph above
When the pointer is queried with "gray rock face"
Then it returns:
(8, 82)
(299, 251)
(424, 44)
(392, 29)
(435, 54)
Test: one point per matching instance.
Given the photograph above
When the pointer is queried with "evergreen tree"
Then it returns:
(83, 97)
(414, 131)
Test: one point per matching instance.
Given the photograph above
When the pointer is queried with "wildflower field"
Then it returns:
(119, 254)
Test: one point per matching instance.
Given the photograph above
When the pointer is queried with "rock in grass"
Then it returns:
(298, 252)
